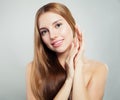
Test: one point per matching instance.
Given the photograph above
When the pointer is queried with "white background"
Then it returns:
(99, 21)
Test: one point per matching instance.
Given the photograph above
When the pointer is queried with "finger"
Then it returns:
(80, 38)
(79, 33)
(80, 53)
(72, 53)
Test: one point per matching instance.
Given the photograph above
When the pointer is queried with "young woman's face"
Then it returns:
(56, 33)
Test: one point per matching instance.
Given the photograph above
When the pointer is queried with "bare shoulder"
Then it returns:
(94, 70)
(28, 68)
(98, 72)
(95, 66)
(28, 72)
(29, 93)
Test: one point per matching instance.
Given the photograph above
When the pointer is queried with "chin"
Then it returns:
(62, 50)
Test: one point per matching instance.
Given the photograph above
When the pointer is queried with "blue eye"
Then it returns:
(58, 25)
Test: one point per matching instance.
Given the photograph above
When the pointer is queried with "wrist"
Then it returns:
(69, 79)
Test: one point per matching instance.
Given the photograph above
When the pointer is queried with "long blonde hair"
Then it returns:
(48, 76)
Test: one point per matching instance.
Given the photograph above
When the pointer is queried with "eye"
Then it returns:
(58, 25)
(43, 32)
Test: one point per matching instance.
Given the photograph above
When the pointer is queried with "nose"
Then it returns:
(53, 34)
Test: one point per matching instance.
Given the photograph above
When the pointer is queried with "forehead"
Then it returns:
(48, 18)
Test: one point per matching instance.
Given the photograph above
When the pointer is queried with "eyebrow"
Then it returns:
(52, 24)
(56, 21)
(42, 28)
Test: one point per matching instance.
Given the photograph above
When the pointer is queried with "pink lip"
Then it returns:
(57, 43)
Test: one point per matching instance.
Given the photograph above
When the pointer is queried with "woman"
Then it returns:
(59, 69)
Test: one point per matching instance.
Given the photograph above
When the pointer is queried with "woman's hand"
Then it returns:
(79, 91)
(70, 61)
(80, 48)
(75, 57)
(64, 92)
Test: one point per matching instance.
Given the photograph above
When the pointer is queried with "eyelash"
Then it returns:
(58, 25)
(43, 32)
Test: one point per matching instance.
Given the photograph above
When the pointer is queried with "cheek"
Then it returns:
(67, 32)
(68, 35)
(45, 40)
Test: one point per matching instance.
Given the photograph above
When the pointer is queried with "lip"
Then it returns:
(57, 43)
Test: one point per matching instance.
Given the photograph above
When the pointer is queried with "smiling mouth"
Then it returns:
(57, 43)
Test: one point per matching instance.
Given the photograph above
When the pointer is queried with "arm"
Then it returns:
(79, 91)
(64, 92)
(30, 95)
(95, 89)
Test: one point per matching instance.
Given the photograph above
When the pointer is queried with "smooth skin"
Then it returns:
(86, 78)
